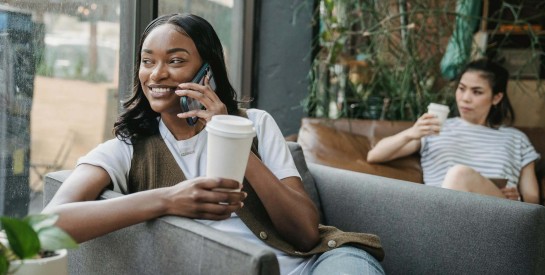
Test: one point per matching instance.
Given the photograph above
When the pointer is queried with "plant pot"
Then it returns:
(54, 265)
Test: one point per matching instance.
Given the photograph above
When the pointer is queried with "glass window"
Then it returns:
(58, 90)
(226, 16)
(60, 81)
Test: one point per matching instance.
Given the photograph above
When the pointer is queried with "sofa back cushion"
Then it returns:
(345, 143)
(306, 177)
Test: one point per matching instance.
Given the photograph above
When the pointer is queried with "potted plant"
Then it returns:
(33, 245)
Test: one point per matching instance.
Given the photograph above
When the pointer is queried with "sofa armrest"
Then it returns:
(167, 245)
(427, 230)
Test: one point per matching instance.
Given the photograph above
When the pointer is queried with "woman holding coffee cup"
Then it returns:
(475, 152)
(159, 161)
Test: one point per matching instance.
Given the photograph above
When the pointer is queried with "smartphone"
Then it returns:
(188, 103)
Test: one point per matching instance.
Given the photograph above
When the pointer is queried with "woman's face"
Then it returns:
(474, 97)
(168, 58)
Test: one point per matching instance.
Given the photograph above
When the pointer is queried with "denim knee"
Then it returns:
(346, 260)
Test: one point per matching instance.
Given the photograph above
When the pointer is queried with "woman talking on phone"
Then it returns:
(474, 152)
(158, 160)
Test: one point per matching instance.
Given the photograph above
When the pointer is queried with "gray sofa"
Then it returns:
(424, 230)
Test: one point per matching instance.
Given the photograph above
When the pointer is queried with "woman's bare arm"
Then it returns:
(393, 147)
(528, 186)
(85, 218)
(292, 212)
(404, 143)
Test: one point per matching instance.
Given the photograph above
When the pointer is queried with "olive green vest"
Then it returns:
(153, 166)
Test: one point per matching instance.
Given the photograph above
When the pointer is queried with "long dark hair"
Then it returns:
(497, 76)
(139, 120)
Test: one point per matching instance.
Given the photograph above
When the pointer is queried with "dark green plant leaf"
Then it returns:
(39, 221)
(4, 265)
(53, 238)
(21, 237)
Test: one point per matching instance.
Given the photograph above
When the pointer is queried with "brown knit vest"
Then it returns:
(153, 166)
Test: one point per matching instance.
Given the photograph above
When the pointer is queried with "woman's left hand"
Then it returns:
(511, 193)
(206, 96)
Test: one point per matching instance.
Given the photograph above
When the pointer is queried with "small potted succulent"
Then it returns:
(33, 245)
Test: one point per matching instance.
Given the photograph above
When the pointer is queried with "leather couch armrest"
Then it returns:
(327, 145)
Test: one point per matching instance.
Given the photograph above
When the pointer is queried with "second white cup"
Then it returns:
(229, 142)
(440, 110)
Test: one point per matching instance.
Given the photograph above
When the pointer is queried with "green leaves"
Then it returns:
(54, 238)
(29, 236)
(22, 238)
(4, 263)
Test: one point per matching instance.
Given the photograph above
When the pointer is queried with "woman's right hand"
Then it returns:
(427, 124)
(199, 199)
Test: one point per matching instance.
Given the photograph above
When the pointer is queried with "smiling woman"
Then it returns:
(166, 63)
(158, 161)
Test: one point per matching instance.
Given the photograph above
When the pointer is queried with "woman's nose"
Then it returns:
(159, 72)
(466, 96)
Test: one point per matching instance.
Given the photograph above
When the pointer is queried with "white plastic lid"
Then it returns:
(440, 107)
(231, 126)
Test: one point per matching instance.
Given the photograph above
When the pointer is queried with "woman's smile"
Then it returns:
(159, 92)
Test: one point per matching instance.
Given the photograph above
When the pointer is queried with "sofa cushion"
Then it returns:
(324, 144)
(306, 177)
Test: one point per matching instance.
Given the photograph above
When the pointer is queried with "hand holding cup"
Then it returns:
(440, 111)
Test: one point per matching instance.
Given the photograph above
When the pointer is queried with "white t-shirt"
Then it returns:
(494, 153)
(115, 157)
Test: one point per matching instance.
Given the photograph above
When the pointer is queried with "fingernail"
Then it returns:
(242, 204)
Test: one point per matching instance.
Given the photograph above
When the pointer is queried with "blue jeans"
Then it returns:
(346, 260)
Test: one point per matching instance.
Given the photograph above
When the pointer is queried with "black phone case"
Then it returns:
(187, 103)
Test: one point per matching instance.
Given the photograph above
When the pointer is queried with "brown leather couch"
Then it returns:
(344, 143)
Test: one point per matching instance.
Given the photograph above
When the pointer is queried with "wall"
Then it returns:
(283, 60)
(529, 105)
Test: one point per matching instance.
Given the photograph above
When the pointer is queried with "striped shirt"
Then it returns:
(494, 153)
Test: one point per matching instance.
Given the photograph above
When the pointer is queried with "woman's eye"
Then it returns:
(146, 61)
(177, 61)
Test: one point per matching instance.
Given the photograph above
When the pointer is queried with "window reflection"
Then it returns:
(58, 90)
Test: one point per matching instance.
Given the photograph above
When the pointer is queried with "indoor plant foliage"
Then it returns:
(32, 237)
(382, 59)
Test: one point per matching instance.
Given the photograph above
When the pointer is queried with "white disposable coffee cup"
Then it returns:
(229, 142)
(440, 111)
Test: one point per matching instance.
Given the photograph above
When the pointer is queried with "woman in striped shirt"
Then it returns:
(475, 152)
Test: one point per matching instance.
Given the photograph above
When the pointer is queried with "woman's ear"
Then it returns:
(497, 98)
